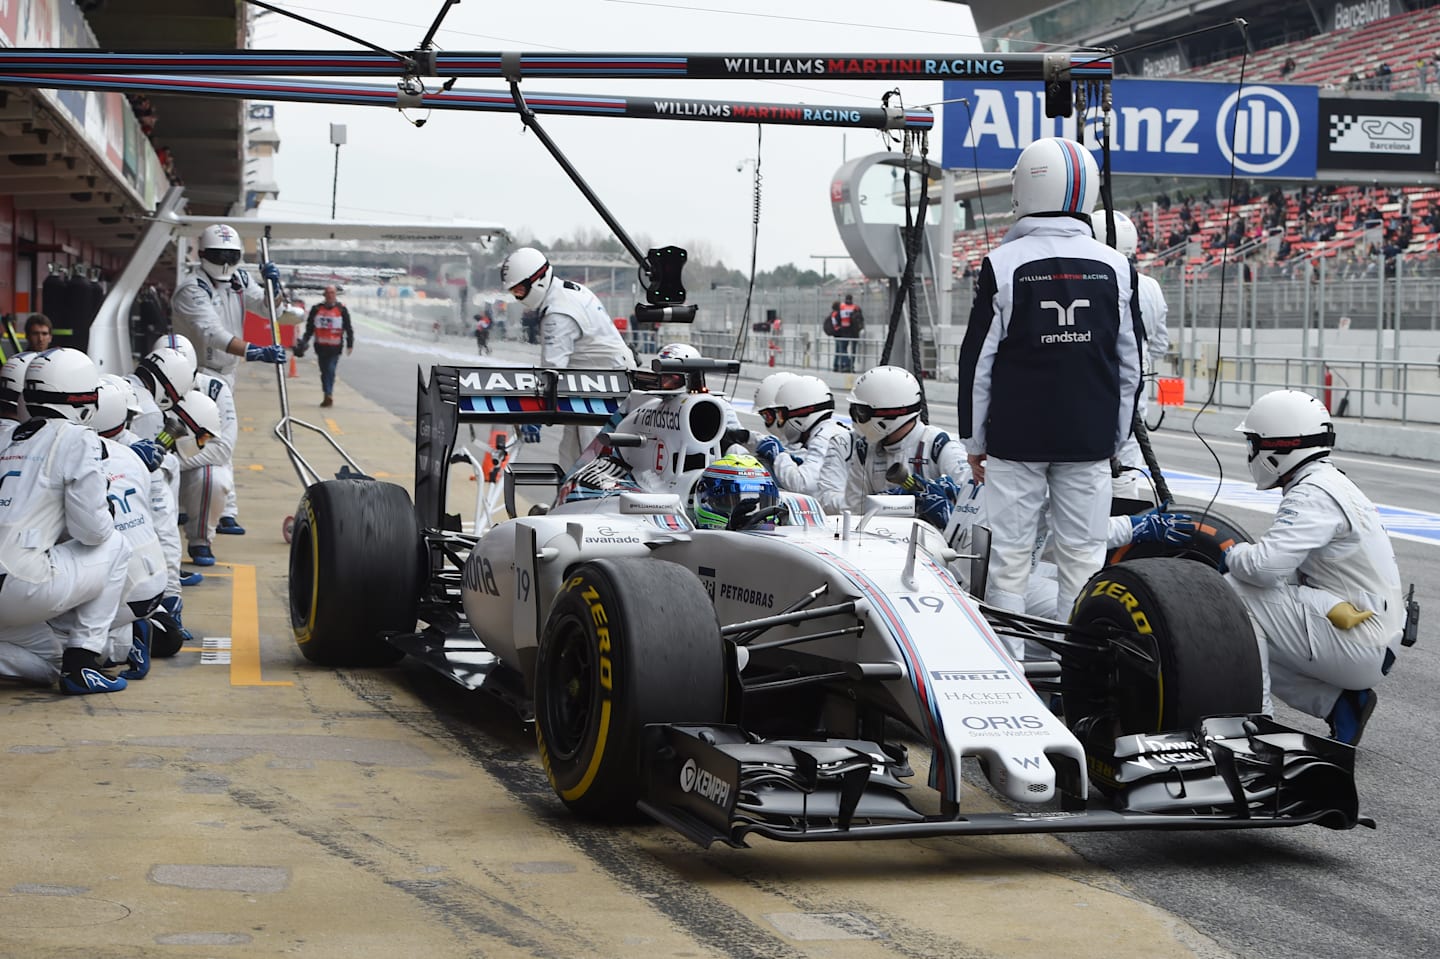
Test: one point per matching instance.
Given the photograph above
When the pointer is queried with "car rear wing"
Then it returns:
(499, 395)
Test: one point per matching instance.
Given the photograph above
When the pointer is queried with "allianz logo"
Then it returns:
(1266, 126)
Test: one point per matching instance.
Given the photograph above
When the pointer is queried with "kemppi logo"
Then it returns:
(704, 784)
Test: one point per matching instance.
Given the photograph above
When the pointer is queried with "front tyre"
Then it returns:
(1182, 648)
(357, 565)
(628, 642)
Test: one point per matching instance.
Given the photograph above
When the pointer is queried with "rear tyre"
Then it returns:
(1194, 655)
(357, 565)
(628, 642)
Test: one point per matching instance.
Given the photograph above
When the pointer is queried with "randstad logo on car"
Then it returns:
(1158, 127)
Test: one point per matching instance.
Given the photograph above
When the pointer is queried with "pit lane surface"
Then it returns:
(1289, 893)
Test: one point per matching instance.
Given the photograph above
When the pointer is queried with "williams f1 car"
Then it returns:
(774, 679)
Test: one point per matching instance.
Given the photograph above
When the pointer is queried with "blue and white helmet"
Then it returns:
(1054, 175)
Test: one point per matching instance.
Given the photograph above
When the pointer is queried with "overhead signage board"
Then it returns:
(1159, 127)
(1378, 136)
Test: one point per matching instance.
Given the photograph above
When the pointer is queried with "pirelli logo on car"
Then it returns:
(969, 675)
(532, 382)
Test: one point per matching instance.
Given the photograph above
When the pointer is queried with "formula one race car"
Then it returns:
(772, 678)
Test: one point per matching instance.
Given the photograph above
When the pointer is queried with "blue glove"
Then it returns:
(151, 453)
(529, 433)
(1224, 566)
(264, 354)
(1173, 528)
(270, 272)
(769, 448)
(936, 500)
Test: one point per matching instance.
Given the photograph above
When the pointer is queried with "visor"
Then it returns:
(863, 413)
(1286, 444)
(221, 257)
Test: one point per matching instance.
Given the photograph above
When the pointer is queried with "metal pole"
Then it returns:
(335, 182)
(1320, 315)
(1305, 320)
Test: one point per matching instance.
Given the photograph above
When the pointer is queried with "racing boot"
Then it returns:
(1349, 715)
(192, 579)
(139, 659)
(201, 555)
(229, 526)
(80, 674)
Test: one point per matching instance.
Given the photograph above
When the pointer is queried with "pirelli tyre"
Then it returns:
(1180, 647)
(628, 642)
(1214, 534)
(357, 565)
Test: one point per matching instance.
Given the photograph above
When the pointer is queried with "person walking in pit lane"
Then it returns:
(61, 560)
(575, 330)
(209, 309)
(819, 463)
(885, 410)
(1321, 585)
(329, 325)
(1049, 373)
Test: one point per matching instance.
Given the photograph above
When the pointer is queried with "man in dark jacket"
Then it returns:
(845, 323)
(329, 324)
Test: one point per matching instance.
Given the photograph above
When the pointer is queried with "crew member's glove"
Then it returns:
(935, 500)
(270, 273)
(734, 437)
(300, 348)
(255, 353)
(151, 453)
(768, 449)
(1224, 565)
(529, 433)
(1173, 528)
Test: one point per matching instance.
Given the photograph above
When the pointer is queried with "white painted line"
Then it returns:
(215, 651)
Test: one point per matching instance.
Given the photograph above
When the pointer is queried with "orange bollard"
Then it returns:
(293, 372)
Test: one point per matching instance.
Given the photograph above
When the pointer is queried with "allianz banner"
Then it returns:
(1159, 127)
(1374, 136)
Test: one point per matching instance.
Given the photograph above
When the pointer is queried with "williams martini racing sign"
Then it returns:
(1158, 127)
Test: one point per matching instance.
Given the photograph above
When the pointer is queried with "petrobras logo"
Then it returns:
(1266, 129)
(1157, 127)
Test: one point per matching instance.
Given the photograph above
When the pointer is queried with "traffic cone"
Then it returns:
(293, 372)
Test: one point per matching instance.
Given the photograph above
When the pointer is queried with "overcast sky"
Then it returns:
(670, 181)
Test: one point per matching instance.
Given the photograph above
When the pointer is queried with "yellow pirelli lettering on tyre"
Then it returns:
(1122, 595)
(601, 619)
(304, 633)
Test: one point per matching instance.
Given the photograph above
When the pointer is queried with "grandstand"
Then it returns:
(1275, 229)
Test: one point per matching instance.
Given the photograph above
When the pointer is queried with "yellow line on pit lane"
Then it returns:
(245, 629)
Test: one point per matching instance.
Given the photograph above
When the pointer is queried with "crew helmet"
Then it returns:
(115, 405)
(678, 351)
(62, 384)
(526, 274)
(765, 406)
(176, 341)
(1127, 240)
(1285, 430)
(12, 382)
(168, 374)
(883, 400)
(199, 415)
(220, 251)
(734, 484)
(1054, 175)
(803, 401)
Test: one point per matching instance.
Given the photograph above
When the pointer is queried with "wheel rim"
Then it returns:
(1127, 697)
(571, 700)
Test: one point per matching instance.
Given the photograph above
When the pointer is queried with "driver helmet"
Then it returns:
(884, 400)
(526, 274)
(667, 379)
(220, 251)
(1127, 241)
(728, 483)
(1285, 430)
(1054, 175)
(62, 384)
(804, 402)
(12, 383)
(765, 406)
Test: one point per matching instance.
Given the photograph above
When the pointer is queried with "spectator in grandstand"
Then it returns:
(1382, 76)
(1288, 67)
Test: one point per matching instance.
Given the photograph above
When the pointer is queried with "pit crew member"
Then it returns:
(819, 464)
